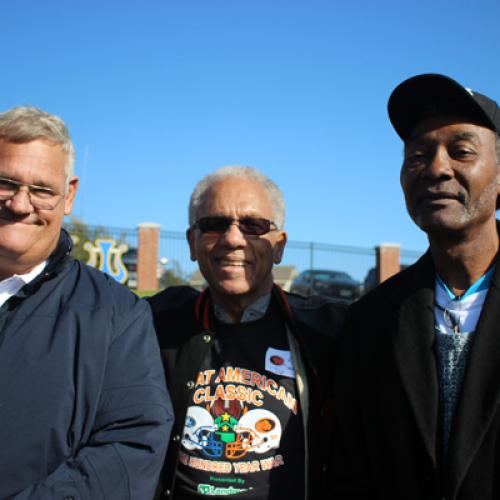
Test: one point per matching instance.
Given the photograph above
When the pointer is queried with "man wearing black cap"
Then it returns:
(418, 384)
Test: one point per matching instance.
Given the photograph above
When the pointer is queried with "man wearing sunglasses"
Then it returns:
(418, 393)
(84, 412)
(249, 366)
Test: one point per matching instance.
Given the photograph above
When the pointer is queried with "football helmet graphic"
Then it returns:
(198, 433)
(258, 431)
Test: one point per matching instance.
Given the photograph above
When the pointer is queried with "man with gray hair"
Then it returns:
(248, 365)
(84, 412)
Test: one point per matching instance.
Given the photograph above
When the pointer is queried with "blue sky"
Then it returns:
(158, 93)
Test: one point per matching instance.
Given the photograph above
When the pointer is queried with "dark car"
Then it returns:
(336, 284)
(371, 279)
(129, 258)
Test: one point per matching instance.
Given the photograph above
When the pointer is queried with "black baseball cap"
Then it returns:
(432, 93)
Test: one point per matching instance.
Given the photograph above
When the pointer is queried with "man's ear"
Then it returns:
(191, 238)
(279, 246)
(498, 184)
(69, 197)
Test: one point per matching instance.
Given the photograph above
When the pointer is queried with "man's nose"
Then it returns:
(20, 202)
(233, 236)
(439, 165)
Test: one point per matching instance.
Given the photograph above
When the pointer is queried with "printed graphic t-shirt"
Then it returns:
(243, 434)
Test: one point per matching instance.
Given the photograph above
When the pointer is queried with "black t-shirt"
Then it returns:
(243, 434)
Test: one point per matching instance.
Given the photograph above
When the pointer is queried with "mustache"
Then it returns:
(6, 214)
(438, 193)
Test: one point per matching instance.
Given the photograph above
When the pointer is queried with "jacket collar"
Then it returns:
(63, 248)
(56, 259)
(413, 338)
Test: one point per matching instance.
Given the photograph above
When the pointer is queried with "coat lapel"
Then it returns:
(480, 395)
(414, 349)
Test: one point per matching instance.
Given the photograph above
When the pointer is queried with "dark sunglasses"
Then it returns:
(251, 226)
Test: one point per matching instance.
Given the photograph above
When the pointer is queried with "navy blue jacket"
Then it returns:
(84, 412)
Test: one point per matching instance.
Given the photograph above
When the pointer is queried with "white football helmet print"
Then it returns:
(262, 430)
(198, 428)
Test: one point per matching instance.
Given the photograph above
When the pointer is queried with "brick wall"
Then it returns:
(388, 264)
(147, 256)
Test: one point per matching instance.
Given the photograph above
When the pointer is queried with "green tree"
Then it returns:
(80, 233)
(172, 275)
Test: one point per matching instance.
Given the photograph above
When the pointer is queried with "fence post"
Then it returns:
(388, 262)
(147, 256)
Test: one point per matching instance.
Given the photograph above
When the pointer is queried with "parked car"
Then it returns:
(336, 284)
(129, 258)
(371, 279)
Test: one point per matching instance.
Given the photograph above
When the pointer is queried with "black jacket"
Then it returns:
(387, 399)
(84, 412)
(313, 325)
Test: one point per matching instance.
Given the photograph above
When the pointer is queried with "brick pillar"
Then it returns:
(387, 261)
(147, 256)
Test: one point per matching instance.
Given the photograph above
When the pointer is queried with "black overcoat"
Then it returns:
(387, 425)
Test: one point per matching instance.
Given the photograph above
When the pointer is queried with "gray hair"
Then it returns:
(26, 123)
(249, 173)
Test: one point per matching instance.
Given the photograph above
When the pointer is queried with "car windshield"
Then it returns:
(328, 275)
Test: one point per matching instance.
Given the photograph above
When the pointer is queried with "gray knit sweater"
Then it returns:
(452, 352)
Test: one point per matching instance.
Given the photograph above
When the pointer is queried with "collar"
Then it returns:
(23, 279)
(253, 312)
(481, 284)
(203, 307)
(11, 286)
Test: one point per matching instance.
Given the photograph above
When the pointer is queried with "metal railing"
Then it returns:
(174, 252)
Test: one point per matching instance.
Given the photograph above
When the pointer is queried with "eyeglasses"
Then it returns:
(42, 198)
(250, 226)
